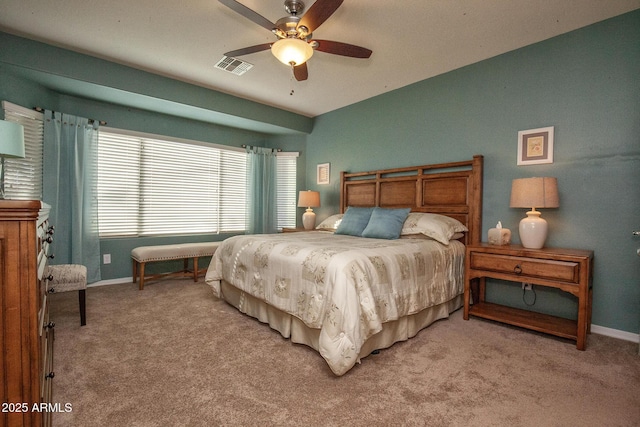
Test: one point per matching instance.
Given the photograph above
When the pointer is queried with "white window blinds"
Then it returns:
(118, 184)
(233, 190)
(23, 177)
(154, 186)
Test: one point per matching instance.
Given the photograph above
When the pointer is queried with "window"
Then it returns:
(151, 185)
(23, 177)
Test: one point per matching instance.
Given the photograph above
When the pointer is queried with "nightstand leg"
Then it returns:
(589, 308)
(467, 296)
(471, 294)
(480, 290)
(583, 316)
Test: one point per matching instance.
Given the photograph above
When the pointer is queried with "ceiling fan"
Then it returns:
(295, 46)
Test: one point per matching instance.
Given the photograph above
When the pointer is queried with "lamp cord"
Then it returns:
(525, 300)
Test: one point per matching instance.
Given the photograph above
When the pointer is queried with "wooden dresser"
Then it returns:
(26, 333)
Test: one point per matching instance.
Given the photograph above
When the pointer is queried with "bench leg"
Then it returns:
(134, 274)
(195, 269)
(141, 273)
(82, 298)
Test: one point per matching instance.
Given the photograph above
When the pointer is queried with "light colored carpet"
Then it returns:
(173, 355)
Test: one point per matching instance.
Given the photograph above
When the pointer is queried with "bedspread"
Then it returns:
(345, 286)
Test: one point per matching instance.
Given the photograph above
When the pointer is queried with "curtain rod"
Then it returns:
(91, 121)
(277, 149)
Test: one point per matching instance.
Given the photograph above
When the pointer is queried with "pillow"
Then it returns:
(385, 223)
(438, 227)
(330, 223)
(354, 221)
(456, 236)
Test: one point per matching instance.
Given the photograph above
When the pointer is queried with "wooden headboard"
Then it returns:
(453, 189)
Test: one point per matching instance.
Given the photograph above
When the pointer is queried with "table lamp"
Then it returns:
(309, 199)
(534, 193)
(11, 145)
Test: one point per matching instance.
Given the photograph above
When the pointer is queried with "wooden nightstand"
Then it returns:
(570, 270)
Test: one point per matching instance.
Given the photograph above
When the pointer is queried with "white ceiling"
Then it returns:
(411, 40)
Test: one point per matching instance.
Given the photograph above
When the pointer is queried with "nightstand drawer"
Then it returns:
(565, 271)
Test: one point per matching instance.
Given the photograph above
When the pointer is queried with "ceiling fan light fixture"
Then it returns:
(292, 51)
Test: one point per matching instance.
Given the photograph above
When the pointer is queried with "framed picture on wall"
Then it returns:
(535, 146)
(323, 173)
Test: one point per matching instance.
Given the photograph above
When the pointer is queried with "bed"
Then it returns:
(346, 295)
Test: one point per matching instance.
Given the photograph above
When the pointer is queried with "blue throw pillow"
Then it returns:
(386, 223)
(354, 221)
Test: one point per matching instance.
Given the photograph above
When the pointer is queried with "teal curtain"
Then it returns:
(262, 212)
(70, 187)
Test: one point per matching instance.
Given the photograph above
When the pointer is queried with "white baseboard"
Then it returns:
(615, 333)
(111, 282)
(601, 330)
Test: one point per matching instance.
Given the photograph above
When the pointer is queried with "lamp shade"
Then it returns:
(534, 193)
(11, 139)
(309, 199)
(292, 51)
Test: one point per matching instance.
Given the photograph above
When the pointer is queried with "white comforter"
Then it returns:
(345, 286)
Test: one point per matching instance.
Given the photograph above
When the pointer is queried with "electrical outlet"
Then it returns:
(106, 258)
(527, 286)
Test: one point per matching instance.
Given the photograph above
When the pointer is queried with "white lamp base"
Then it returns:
(533, 230)
(309, 219)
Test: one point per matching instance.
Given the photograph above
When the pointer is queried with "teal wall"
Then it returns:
(587, 85)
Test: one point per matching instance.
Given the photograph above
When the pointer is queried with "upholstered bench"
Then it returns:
(185, 251)
(69, 277)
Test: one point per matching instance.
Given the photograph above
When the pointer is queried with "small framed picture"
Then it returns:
(323, 173)
(535, 146)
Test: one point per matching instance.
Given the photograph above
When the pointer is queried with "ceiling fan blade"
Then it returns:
(300, 72)
(248, 50)
(318, 13)
(344, 49)
(248, 13)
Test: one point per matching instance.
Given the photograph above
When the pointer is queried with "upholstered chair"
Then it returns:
(66, 278)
